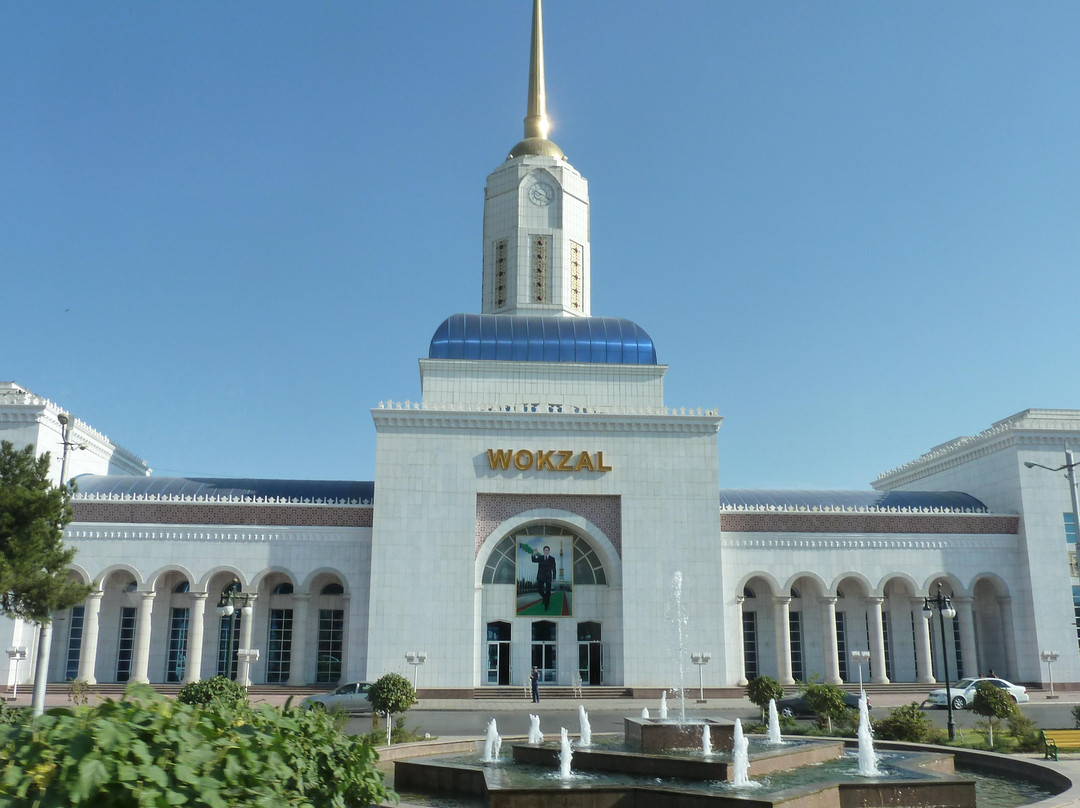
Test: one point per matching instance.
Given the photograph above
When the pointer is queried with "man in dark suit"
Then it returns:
(545, 574)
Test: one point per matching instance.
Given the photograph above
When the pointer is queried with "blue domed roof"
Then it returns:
(542, 338)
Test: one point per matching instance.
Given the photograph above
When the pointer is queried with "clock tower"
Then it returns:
(536, 217)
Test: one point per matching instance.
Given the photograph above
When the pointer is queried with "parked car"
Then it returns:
(351, 697)
(963, 692)
(796, 706)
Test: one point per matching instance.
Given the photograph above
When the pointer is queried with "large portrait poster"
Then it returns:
(545, 576)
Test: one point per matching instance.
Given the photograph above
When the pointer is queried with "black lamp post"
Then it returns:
(231, 596)
(944, 608)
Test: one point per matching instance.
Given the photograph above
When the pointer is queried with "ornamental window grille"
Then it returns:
(540, 257)
(575, 275)
(501, 564)
(500, 273)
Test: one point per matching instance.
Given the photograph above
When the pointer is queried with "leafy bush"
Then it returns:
(904, 723)
(146, 750)
(217, 688)
(762, 688)
(1076, 716)
(826, 700)
(1025, 731)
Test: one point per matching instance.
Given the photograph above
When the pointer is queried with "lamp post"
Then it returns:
(227, 605)
(17, 654)
(701, 659)
(41, 669)
(943, 606)
(416, 659)
(1050, 657)
(1070, 472)
(860, 657)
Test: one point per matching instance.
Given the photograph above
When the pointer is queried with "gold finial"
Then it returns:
(537, 125)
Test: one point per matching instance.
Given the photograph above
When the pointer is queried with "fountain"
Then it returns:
(868, 764)
(663, 705)
(585, 731)
(492, 744)
(773, 733)
(740, 758)
(535, 735)
(706, 741)
(644, 712)
(566, 754)
(680, 619)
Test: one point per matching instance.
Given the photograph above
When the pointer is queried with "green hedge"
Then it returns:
(147, 750)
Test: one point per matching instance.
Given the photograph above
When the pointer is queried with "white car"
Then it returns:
(351, 697)
(963, 693)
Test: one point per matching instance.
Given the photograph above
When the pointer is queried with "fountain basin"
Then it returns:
(651, 735)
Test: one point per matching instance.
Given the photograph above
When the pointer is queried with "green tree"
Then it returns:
(34, 581)
(761, 689)
(392, 693)
(826, 700)
(992, 702)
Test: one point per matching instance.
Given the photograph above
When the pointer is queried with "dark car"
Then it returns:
(796, 707)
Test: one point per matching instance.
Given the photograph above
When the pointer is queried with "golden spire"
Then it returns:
(537, 125)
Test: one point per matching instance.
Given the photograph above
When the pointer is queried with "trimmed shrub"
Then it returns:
(147, 750)
(762, 688)
(217, 688)
(904, 723)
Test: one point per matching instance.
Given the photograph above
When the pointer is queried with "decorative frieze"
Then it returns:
(867, 522)
(543, 407)
(604, 511)
(204, 513)
(155, 533)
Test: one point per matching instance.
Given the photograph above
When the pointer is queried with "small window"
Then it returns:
(131, 585)
(333, 589)
(285, 588)
(795, 593)
(182, 587)
(747, 592)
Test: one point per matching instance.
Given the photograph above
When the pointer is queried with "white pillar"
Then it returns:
(243, 662)
(781, 615)
(141, 661)
(922, 644)
(877, 642)
(196, 628)
(740, 655)
(832, 656)
(967, 636)
(88, 651)
(1009, 638)
(298, 653)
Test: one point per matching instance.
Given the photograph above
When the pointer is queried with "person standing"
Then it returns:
(535, 679)
(545, 574)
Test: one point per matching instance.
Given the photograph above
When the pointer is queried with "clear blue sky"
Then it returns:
(228, 230)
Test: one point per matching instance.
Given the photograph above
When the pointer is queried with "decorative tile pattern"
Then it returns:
(500, 273)
(167, 513)
(760, 522)
(575, 276)
(604, 511)
(540, 267)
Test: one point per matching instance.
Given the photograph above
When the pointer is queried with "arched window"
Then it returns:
(286, 588)
(747, 592)
(131, 586)
(332, 589)
(501, 569)
(795, 593)
(182, 587)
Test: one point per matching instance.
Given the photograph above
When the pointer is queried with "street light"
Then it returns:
(17, 654)
(41, 669)
(1050, 657)
(701, 659)
(227, 605)
(1070, 472)
(860, 657)
(944, 608)
(416, 659)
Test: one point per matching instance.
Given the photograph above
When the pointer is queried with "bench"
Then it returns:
(1055, 740)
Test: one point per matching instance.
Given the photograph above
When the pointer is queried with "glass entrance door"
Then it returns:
(590, 654)
(498, 662)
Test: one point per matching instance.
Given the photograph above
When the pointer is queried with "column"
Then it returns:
(141, 662)
(739, 639)
(1009, 638)
(781, 614)
(196, 627)
(925, 674)
(877, 642)
(298, 652)
(88, 651)
(968, 650)
(832, 657)
(243, 661)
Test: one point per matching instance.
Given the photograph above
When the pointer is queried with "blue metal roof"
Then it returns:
(315, 491)
(547, 338)
(832, 500)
